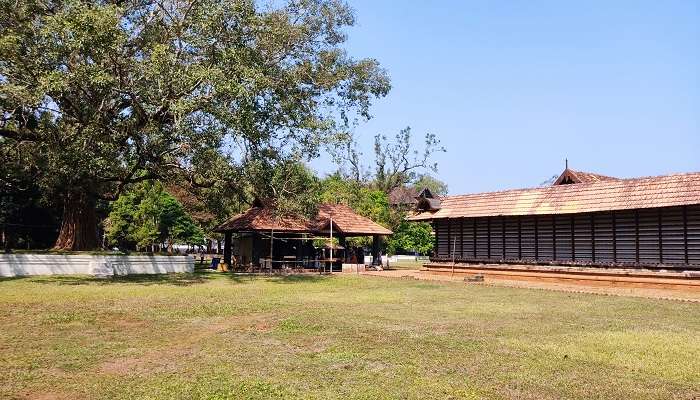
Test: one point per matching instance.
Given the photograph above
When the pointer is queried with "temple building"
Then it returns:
(582, 219)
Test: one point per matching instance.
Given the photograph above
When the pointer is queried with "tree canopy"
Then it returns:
(436, 186)
(147, 217)
(98, 95)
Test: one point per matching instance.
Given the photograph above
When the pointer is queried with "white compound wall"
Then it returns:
(51, 264)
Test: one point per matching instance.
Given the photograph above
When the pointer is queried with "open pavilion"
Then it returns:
(260, 236)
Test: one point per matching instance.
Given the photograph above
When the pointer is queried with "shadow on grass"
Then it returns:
(12, 278)
(186, 279)
(308, 278)
(146, 280)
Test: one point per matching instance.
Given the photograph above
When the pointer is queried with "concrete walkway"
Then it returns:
(667, 294)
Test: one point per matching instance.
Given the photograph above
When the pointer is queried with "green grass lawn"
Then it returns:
(213, 336)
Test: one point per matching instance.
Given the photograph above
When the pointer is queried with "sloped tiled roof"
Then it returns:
(347, 221)
(403, 195)
(582, 177)
(261, 218)
(605, 195)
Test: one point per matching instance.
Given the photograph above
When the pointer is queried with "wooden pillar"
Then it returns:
(341, 242)
(661, 240)
(593, 238)
(449, 237)
(461, 239)
(520, 237)
(685, 235)
(227, 248)
(503, 236)
(474, 237)
(537, 239)
(554, 237)
(636, 236)
(488, 238)
(376, 259)
(573, 239)
(614, 236)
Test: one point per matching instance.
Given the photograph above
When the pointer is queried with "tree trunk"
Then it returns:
(79, 225)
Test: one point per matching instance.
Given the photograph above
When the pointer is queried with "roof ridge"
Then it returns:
(622, 194)
(573, 186)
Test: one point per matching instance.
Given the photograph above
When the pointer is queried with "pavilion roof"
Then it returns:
(347, 221)
(261, 217)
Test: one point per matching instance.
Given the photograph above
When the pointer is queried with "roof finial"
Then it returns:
(566, 163)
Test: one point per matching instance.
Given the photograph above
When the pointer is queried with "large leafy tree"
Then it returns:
(98, 95)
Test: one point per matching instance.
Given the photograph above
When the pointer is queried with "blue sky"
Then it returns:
(512, 88)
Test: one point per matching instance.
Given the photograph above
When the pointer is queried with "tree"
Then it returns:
(396, 162)
(411, 237)
(362, 198)
(104, 94)
(147, 216)
(366, 201)
(28, 219)
(436, 186)
(289, 183)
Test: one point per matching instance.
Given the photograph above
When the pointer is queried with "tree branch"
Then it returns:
(23, 135)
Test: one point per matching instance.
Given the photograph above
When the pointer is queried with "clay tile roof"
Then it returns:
(603, 195)
(347, 221)
(259, 218)
(573, 176)
(402, 195)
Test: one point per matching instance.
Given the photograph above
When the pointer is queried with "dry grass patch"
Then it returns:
(211, 336)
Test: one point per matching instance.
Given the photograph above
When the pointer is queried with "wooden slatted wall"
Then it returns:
(527, 238)
(648, 237)
(441, 234)
(693, 229)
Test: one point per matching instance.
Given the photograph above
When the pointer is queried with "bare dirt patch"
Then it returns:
(185, 346)
(651, 293)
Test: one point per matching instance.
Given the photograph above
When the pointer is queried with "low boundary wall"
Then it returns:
(79, 264)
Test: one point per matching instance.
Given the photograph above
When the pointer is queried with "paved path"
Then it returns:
(693, 296)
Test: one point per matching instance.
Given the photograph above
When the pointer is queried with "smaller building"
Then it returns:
(261, 237)
(406, 198)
